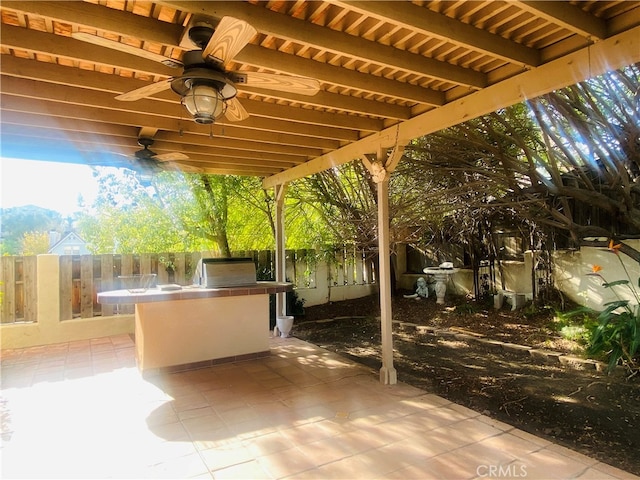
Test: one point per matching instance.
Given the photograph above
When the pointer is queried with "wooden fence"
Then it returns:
(82, 277)
(18, 292)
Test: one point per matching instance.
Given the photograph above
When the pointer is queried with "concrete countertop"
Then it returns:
(190, 292)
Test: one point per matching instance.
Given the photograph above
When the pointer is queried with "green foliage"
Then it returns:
(617, 334)
(16, 221)
(342, 201)
(576, 325)
(131, 218)
(189, 212)
(295, 304)
(35, 243)
(558, 163)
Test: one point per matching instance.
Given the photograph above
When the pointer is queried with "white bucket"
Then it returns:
(283, 326)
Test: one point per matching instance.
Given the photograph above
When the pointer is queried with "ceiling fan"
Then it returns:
(206, 88)
(146, 161)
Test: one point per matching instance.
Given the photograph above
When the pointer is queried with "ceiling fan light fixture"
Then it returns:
(204, 103)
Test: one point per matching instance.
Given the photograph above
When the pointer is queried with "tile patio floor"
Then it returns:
(82, 410)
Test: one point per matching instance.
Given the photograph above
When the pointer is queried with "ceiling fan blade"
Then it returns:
(274, 81)
(188, 168)
(179, 167)
(235, 111)
(230, 36)
(146, 91)
(170, 157)
(123, 47)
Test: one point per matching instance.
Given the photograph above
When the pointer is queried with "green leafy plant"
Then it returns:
(617, 335)
(576, 325)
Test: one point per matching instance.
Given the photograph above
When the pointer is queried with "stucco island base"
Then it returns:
(210, 326)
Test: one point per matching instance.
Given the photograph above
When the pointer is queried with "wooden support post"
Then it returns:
(388, 375)
(380, 166)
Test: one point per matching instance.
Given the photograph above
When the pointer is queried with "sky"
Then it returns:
(51, 185)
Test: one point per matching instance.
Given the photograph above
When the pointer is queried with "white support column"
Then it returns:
(281, 265)
(380, 166)
(388, 375)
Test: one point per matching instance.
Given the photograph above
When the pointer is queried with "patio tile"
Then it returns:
(182, 467)
(268, 443)
(285, 463)
(224, 456)
(248, 470)
(83, 410)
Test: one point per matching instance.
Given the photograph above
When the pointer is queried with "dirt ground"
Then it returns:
(576, 406)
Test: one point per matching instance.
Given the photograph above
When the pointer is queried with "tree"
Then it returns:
(35, 243)
(566, 161)
(176, 212)
(344, 198)
(16, 221)
(129, 217)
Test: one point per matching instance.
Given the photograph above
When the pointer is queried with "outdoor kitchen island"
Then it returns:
(195, 327)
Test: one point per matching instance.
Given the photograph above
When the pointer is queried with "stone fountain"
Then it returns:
(441, 275)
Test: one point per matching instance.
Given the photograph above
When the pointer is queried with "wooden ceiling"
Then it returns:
(388, 72)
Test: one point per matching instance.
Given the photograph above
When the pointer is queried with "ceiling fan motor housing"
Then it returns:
(204, 88)
(200, 34)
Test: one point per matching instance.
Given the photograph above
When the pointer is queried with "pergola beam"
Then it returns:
(417, 18)
(52, 73)
(568, 16)
(339, 42)
(610, 54)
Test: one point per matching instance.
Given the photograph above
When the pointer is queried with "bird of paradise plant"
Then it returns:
(618, 332)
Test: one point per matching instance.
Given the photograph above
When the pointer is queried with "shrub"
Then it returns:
(617, 334)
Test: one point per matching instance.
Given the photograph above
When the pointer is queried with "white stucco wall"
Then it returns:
(49, 329)
(572, 275)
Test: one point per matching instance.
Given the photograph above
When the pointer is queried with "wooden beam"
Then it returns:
(70, 95)
(102, 19)
(307, 33)
(76, 50)
(97, 155)
(334, 101)
(568, 16)
(226, 136)
(49, 72)
(118, 143)
(324, 72)
(430, 23)
(615, 52)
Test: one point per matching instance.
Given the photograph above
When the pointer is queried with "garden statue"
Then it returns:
(421, 290)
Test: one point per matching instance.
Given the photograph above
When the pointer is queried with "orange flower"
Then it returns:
(614, 248)
(595, 268)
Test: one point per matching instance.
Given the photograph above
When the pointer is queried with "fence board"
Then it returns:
(19, 293)
(180, 272)
(340, 261)
(82, 277)
(126, 265)
(107, 272)
(30, 288)
(350, 266)
(66, 287)
(86, 286)
(165, 263)
(8, 290)
(145, 263)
